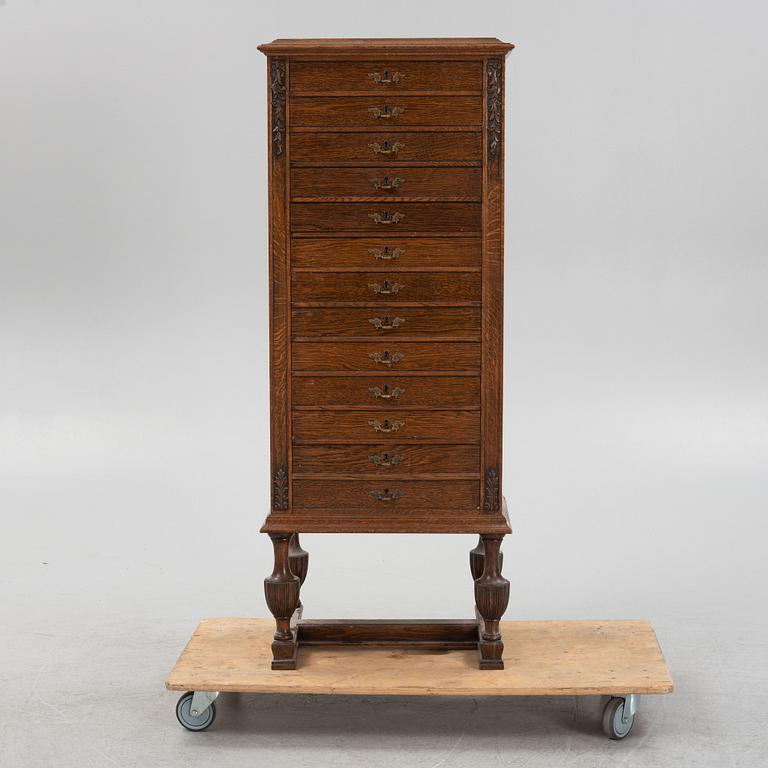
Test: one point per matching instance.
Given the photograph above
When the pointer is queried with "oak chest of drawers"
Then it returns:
(386, 171)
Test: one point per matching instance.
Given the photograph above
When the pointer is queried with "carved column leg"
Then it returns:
(477, 559)
(299, 560)
(491, 598)
(281, 588)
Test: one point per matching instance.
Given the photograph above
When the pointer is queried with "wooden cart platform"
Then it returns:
(543, 658)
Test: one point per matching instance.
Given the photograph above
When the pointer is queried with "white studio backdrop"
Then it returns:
(133, 314)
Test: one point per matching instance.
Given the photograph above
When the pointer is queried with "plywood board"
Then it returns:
(542, 658)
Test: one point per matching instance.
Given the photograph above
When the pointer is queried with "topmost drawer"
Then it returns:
(385, 77)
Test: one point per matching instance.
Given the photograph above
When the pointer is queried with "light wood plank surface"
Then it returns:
(546, 658)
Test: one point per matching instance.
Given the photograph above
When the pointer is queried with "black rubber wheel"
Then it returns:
(614, 726)
(185, 717)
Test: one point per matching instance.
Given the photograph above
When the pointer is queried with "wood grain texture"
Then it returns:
(378, 357)
(385, 251)
(447, 48)
(544, 658)
(393, 110)
(434, 322)
(388, 392)
(387, 287)
(323, 426)
(402, 76)
(391, 216)
(384, 460)
(386, 147)
(408, 494)
(401, 181)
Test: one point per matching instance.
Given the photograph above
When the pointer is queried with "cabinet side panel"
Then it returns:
(492, 281)
(279, 304)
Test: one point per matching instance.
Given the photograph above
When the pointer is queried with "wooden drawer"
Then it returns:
(382, 251)
(386, 146)
(387, 391)
(387, 77)
(397, 181)
(386, 110)
(402, 217)
(379, 356)
(328, 426)
(386, 496)
(446, 287)
(437, 322)
(382, 459)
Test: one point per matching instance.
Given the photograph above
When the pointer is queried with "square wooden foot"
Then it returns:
(284, 653)
(491, 654)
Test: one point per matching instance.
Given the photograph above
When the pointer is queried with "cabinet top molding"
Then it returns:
(371, 47)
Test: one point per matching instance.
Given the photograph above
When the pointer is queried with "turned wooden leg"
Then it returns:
(491, 598)
(281, 588)
(299, 560)
(477, 559)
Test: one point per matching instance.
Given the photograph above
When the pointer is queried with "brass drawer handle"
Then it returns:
(387, 183)
(386, 112)
(385, 148)
(386, 324)
(385, 393)
(386, 460)
(384, 78)
(387, 358)
(384, 253)
(386, 494)
(386, 425)
(386, 217)
(386, 288)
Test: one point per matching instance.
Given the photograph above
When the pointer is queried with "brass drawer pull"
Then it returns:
(386, 425)
(386, 217)
(386, 460)
(386, 494)
(387, 358)
(384, 78)
(386, 324)
(384, 253)
(386, 112)
(387, 183)
(386, 288)
(385, 148)
(385, 393)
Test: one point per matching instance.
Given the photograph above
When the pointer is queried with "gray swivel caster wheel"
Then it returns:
(615, 724)
(188, 720)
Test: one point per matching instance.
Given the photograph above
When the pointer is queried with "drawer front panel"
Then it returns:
(379, 356)
(387, 77)
(386, 110)
(386, 497)
(387, 286)
(381, 252)
(400, 217)
(402, 181)
(387, 391)
(387, 323)
(321, 426)
(384, 460)
(386, 147)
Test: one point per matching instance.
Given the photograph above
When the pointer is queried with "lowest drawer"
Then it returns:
(385, 496)
(392, 110)
(383, 250)
(435, 322)
(330, 426)
(378, 356)
(384, 460)
(388, 390)
(385, 77)
(421, 287)
(383, 147)
(401, 180)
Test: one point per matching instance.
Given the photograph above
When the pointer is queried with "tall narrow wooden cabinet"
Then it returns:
(386, 201)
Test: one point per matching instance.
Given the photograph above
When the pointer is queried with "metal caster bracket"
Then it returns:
(630, 707)
(201, 700)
